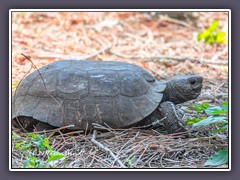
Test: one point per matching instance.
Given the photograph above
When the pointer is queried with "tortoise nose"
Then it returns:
(196, 83)
(197, 86)
(200, 79)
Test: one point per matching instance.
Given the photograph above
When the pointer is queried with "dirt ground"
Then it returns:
(163, 45)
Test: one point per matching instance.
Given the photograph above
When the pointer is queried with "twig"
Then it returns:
(106, 149)
(161, 160)
(14, 97)
(180, 134)
(153, 124)
(73, 132)
(194, 60)
(163, 58)
(52, 130)
(127, 143)
(176, 21)
(101, 127)
(220, 53)
(60, 56)
(29, 59)
(144, 150)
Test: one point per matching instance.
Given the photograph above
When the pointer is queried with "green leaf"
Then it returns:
(218, 110)
(214, 26)
(211, 36)
(224, 128)
(131, 160)
(39, 142)
(26, 163)
(211, 110)
(33, 162)
(203, 35)
(30, 162)
(39, 164)
(219, 158)
(45, 142)
(225, 106)
(205, 105)
(15, 85)
(197, 108)
(54, 155)
(19, 144)
(26, 146)
(201, 107)
(225, 103)
(221, 37)
(193, 121)
(34, 136)
(210, 120)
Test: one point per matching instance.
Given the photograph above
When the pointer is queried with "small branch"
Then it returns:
(194, 60)
(173, 58)
(101, 127)
(73, 132)
(52, 130)
(106, 149)
(220, 53)
(60, 56)
(153, 124)
(14, 97)
(176, 21)
(29, 59)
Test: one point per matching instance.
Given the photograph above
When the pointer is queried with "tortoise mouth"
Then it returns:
(198, 89)
(197, 92)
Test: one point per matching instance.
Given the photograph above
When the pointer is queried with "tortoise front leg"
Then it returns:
(173, 117)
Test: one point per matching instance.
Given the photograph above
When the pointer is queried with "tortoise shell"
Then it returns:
(79, 93)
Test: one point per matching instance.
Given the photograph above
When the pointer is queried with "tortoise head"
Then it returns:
(183, 88)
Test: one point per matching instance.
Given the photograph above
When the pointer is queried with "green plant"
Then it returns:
(45, 158)
(14, 86)
(213, 115)
(211, 35)
(220, 157)
(33, 162)
(131, 161)
(210, 115)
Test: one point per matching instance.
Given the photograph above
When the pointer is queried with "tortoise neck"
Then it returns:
(172, 94)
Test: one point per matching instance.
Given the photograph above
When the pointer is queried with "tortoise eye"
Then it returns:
(193, 81)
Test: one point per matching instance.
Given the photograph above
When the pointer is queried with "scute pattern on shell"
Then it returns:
(82, 92)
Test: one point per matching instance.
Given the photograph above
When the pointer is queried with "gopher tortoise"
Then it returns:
(119, 94)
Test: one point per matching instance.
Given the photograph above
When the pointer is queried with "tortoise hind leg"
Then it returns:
(24, 122)
(173, 117)
(40, 126)
(28, 123)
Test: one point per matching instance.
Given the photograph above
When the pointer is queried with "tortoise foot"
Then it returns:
(172, 116)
